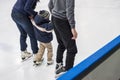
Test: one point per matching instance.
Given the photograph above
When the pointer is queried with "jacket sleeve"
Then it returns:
(47, 26)
(38, 20)
(70, 12)
(50, 5)
(30, 6)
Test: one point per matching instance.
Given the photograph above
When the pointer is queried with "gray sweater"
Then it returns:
(63, 9)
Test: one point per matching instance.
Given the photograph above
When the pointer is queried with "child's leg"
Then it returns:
(50, 51)
(41, 51)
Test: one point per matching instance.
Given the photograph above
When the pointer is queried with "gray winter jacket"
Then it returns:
(63, 9)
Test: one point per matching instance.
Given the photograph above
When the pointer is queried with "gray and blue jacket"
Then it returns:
(63, 9)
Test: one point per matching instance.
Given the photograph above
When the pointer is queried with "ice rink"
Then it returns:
(97, 23)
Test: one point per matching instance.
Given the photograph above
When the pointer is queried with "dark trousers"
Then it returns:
(26, 28)
(63, 34)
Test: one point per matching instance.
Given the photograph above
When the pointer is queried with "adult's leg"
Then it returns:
(30, 31)
(26, 24)
(23, 37)
(61, 47)
(23, 34)
(65, 34)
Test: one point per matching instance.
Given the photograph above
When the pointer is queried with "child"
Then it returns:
(43, 31)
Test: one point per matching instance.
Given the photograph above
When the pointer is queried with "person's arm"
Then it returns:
(40, 28)
(50, 5)
(70, 12)
(30, 6)
(74, 33)
(70, 16)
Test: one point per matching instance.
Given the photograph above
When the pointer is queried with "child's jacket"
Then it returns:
(44, 23)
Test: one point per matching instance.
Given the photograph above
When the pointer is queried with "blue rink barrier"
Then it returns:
(85, 67)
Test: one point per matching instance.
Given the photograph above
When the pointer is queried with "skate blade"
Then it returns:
(38, 63)
(25, 59)
(48, 64)
(58, 75)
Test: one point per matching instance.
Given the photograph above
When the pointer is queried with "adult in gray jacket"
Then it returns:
(64, 26)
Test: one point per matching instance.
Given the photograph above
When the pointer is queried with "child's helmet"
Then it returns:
(44, 13)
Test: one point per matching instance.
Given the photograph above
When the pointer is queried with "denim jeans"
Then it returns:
(25, 27)
(63, 34)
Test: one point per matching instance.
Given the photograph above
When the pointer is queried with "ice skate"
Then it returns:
(38, 62)
(50, 62)
(58, 75)
(25, 55)
(59, 70)
(58, 66)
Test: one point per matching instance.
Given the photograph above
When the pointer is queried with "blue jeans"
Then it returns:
(25, 27)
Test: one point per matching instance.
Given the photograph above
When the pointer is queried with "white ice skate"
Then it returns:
(50, 62)
(37, 63)
(25, 55)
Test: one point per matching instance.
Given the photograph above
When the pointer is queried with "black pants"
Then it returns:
(63, 34)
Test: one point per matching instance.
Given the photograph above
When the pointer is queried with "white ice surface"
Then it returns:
(97, 23)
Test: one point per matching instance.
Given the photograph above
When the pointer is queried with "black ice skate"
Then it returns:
(59, 70)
